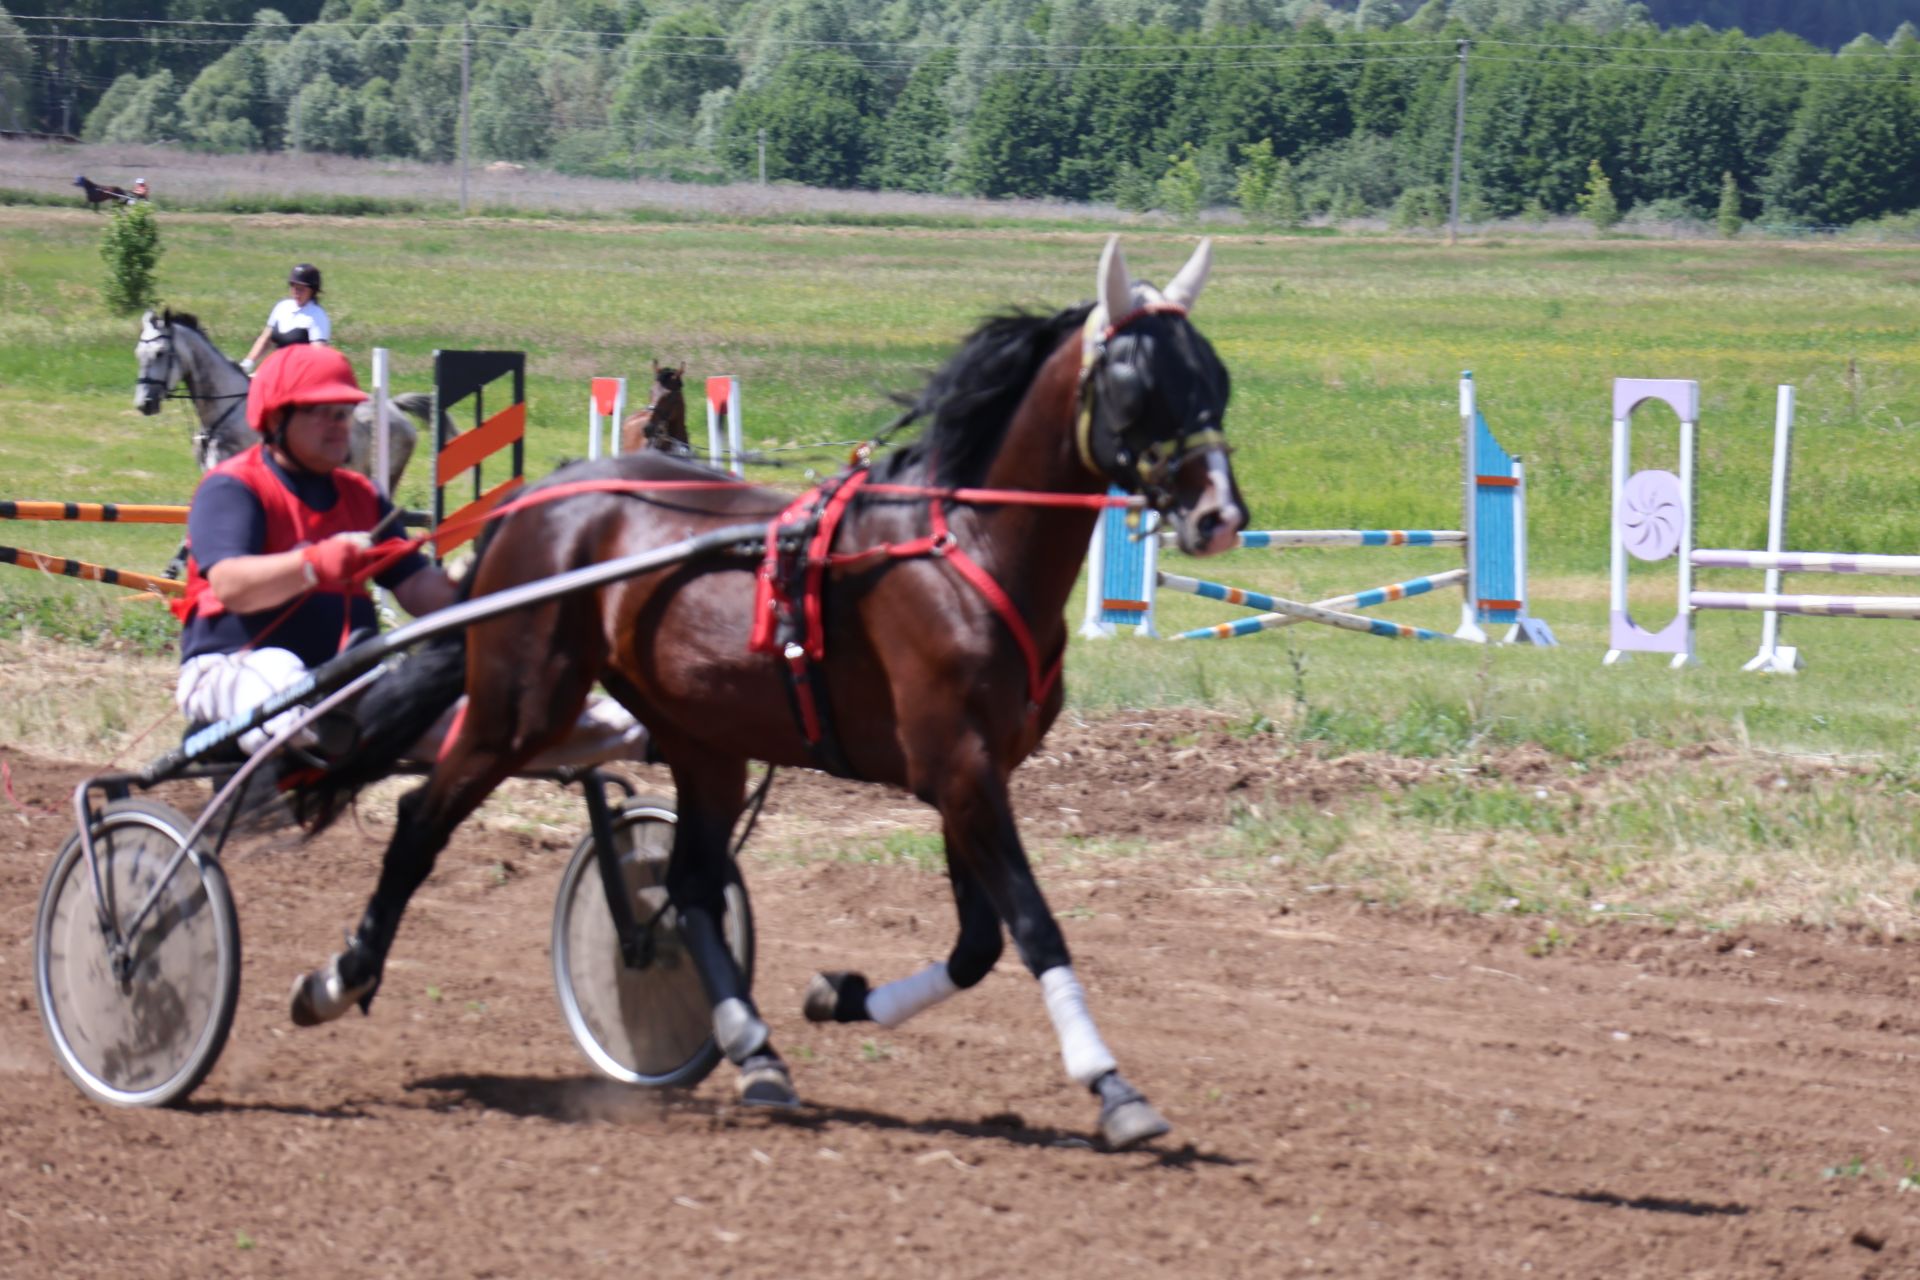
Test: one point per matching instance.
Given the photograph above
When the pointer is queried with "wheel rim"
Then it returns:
(130, 1042)
(650, 1026)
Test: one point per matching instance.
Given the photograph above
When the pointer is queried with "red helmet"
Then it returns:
(305, 373)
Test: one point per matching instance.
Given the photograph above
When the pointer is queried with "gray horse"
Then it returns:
(173, 351)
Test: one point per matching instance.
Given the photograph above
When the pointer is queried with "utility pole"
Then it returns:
(763, 156)
(466, 78)
(1459, 142)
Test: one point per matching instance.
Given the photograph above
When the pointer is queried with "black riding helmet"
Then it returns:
(307, 274)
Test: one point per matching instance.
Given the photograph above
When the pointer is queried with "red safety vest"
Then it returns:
(291, 523)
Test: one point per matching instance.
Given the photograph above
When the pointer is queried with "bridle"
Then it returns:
(1134, 457)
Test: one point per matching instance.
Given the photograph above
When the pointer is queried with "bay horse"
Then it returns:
(941, 688)
(663, 423)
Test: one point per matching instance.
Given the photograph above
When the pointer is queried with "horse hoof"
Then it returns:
(1127, 1119)
(323, 995)
(764, 1082)
(836, 997)
(1132, 1123)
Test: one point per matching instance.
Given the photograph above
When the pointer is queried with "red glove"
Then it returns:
(339, 563)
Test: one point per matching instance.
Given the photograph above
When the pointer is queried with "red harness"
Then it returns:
(775, 601)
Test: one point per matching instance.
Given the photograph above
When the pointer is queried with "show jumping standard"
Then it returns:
(1653, 514)
(1124, 573)
(905, 627)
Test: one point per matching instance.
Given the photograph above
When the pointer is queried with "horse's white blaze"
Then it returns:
(1086, 1055)
(1184, 289)
(895, 1002)
(1218, 501)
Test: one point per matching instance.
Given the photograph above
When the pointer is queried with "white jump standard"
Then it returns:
(1653, 520)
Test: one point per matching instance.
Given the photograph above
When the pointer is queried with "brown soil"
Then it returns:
(1355, 1093)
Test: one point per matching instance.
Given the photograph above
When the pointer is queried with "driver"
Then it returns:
(276, 537)
(296, 318)
(277, 540)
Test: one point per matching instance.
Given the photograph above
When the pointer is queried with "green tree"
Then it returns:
(1854, 149)
(671, 66)
(1014, 142)
(219, 109)
(816, 110)
(917, 137)
(382, 131)
(511, 120)
(1597, 204)
(16, 68)
(1286, 208)
(131, 250)
(324, 117)
(135, 110)
(1727, 217)
(1254, 180)
(1692, 133)
(1183, 187)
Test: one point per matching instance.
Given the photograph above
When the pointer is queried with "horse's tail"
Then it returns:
(419, 404)
(391, 717)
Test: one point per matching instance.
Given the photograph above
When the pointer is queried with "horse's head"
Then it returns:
(667, 379)
(1153, 398)
(160, 366)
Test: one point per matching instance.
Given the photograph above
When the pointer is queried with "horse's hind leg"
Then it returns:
(709, 792)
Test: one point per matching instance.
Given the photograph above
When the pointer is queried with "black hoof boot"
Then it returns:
(836, 997)
(349, 978)
(1127, 1119)
(764, 1082)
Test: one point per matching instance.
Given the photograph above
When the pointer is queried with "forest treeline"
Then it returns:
(1287, 107)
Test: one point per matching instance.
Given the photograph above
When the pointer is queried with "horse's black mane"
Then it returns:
(967, 405)
(186, 318)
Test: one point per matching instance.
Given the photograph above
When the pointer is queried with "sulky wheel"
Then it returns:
(651, 1024)
(141, 1029)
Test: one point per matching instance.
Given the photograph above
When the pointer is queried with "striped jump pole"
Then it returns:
(1353, 538)
(1274, 621)
(1809, 562)
(1298, 611)
(94, 512)
(91, 572)
(1810, 606)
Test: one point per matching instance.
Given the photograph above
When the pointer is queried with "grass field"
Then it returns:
(1344, 354)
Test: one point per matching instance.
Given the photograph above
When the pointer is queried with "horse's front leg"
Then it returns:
(994, 883)
(708, 799)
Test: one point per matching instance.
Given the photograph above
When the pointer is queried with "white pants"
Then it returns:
(218, 686)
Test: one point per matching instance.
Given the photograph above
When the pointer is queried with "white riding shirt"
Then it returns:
(288, 315)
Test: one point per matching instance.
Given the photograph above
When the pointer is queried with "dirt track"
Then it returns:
(1354, 1093)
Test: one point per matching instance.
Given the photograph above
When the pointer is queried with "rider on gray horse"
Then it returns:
(296, 318)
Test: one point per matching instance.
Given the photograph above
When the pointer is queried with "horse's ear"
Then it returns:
(656, 369)
(1185, 288)
(681, 372)
(1116, 286)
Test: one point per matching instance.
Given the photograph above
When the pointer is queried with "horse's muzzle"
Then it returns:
(147, 403)
(1213, 521)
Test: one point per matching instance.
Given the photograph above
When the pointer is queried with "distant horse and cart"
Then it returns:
(901, 623)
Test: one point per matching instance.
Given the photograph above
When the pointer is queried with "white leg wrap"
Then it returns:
(894, 1003)
(1085, 1054)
